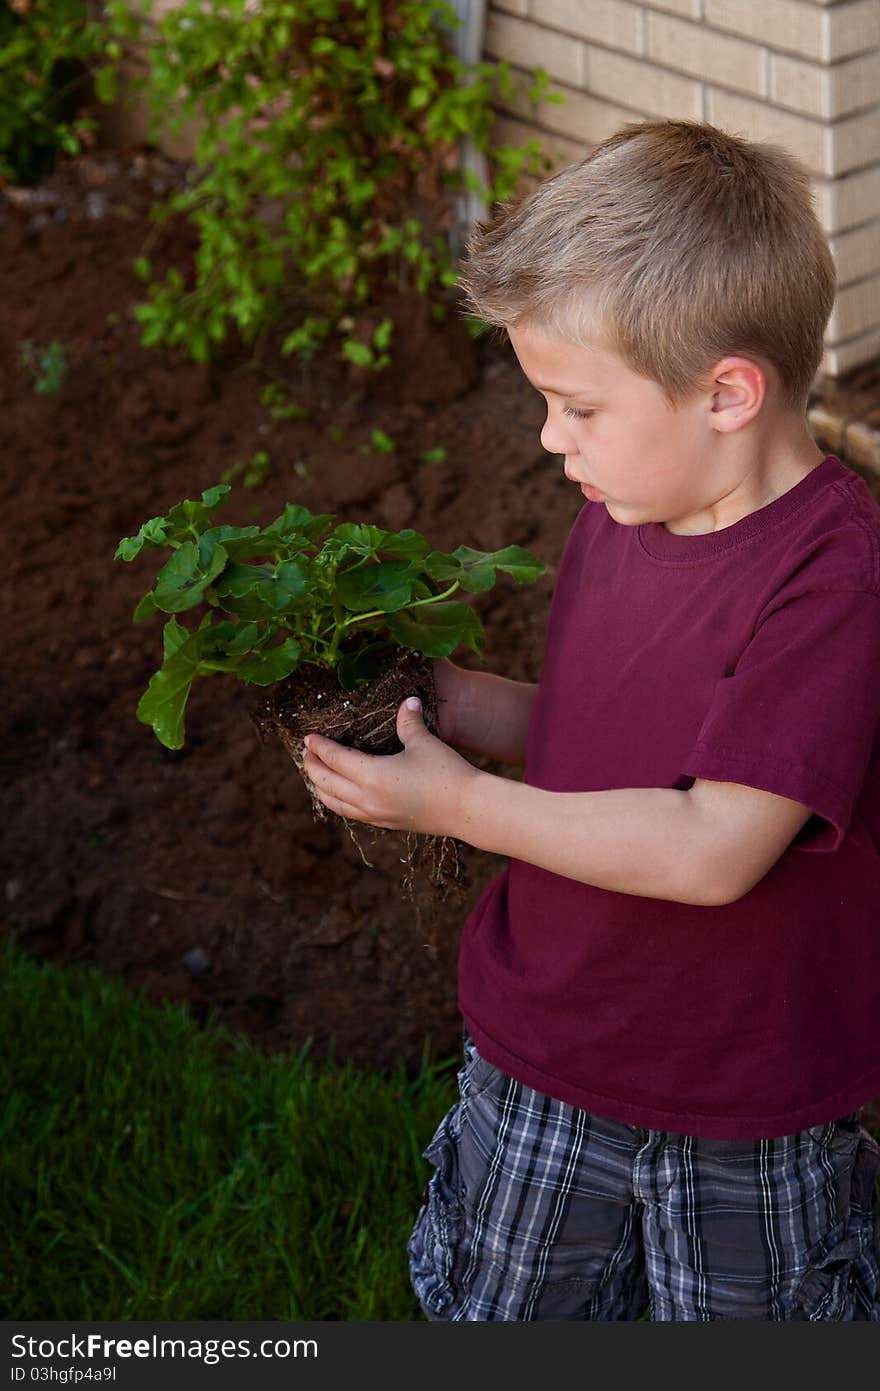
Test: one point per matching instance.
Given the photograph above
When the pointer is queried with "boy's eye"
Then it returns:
(578, 415)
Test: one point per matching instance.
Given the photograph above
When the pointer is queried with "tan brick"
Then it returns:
(818, 89)
(758, 121)
(855, 141)
(685, 9)
(855, 84)
(799, 85)
(798, 26)
(507, 130)
(857, 253)
(520, 7)
(827, 427)
(852, 28)
(787, 24)
(695, 49)
(656, 90)
(863, 445)
(531, 46)
(856, 310)
(612, 22)
(844, 357)
(581, 117)
(849, 201)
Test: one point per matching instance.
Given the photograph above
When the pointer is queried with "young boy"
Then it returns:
(672, 994)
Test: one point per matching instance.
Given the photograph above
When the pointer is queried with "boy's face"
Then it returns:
(621, 440)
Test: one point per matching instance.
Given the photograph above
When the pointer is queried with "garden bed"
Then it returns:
(201, 875)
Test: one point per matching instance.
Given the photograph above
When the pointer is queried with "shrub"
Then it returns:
(49, 53)
(325, 167)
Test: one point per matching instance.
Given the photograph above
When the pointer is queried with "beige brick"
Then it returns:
(824, 33)
(849, 201)
(817, 89)
(531, 46)
(826, 426)
(863, 444)
(507, 130)
(855, 141)
(857, 253)
(694, 49)
(808, 140)
(611, 22)
(856, 310)
(582, 117)
(656, 90)
(841, 358)
(788, 24)
(685, 9)
(520, 7)
(852, 28)
(855, 84)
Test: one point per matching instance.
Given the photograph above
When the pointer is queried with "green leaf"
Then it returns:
(271, 665)
(291, 582)
(382, 335)
(152, 533)
(385, 585)
(144, 609)
(437, 629)
(358, 353)
(380, 443)
(182, 581)
(433, 456)
(475, 571)
(163, 703)
(174, 635)
(298, 521)
(237, 541)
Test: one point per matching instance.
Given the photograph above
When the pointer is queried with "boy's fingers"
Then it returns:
(337, 756)
(410, 723)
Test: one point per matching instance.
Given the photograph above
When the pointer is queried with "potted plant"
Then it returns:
(334, 624)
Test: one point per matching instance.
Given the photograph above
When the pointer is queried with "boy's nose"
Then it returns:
(553, 439)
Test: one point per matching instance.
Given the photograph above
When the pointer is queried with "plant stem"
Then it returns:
(379, 613)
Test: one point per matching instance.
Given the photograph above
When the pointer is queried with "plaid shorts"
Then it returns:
(540, 1210)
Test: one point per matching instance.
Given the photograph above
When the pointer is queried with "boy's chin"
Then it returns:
(626, 516)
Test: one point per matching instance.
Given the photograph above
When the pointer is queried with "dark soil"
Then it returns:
(202, 876)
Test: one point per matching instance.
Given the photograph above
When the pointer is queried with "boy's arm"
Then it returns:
(706, 846)
(483, 713)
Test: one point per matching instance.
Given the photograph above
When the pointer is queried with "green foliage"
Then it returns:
(252, 472)
(301, 590)
(325, 167)
(156, 1170)
(53, 61)
(47, 366)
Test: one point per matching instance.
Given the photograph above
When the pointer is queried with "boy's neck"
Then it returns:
(757, 477)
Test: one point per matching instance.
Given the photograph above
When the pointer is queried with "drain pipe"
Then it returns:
(468, 43)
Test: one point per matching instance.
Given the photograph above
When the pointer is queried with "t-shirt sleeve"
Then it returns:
(799, 714)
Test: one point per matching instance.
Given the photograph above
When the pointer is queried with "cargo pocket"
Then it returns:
(436, 1236)
(842, 1281)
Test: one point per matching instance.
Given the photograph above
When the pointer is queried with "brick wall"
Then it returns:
(802, 73)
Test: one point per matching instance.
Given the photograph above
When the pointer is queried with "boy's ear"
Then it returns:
(737, 389)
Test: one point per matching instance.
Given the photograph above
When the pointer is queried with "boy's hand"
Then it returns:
(421, 789)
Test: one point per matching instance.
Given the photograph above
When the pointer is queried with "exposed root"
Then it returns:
(364, 719)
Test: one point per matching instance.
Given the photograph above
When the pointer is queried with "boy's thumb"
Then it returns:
(409, 719)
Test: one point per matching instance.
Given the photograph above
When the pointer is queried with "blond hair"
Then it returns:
(679, 244)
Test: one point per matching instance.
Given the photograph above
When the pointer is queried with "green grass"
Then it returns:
(156, 1170)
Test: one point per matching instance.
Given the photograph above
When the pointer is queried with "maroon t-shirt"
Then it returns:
(748, 655)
